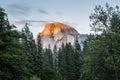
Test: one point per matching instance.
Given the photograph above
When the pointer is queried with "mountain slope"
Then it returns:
(57, 33)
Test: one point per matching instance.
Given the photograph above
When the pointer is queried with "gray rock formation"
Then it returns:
(57, 33)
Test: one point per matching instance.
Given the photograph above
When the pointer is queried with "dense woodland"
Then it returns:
(21, 58)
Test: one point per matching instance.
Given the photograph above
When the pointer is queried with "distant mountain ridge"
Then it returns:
(57, 33)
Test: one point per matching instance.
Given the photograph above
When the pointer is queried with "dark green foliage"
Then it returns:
(34, 78)
(33, 52)
(77, 58)
(55, 58)
(48, 67)
(12, 60)
(102, 51)
(30, 49)
(69, 62)
(62, 62)
(39, 58)
(48, 58)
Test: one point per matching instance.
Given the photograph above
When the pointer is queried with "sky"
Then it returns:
(39, 12)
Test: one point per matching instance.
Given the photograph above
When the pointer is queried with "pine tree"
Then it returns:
(39, 57)
(102, 57)
(55, 58)
(69, 61)
(48, 67)
(12, 60)
(61, 62)
(77, 58)
(33, 52)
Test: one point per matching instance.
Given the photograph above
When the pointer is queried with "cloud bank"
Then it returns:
(43, 11)
(30, 21)
(18, 9)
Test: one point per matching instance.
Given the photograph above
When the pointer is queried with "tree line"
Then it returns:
(23, 58)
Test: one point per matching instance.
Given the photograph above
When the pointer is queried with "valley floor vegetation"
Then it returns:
(21, 58)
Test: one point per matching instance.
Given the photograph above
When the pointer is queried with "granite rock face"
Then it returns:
(57, 33)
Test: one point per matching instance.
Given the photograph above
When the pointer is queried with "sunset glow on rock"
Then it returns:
(54, 28)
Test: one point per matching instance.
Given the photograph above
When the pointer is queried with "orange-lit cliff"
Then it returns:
(57, 33)
(54, 28)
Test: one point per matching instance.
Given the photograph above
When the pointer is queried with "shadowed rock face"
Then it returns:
(57, 33)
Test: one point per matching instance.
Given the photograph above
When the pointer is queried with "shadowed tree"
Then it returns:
(102, 58)
(12, 60)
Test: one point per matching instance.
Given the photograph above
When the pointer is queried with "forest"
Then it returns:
(23, 58)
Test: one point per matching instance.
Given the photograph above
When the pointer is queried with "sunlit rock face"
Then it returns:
(57, 33)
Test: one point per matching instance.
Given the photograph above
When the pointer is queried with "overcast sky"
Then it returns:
(38, 12)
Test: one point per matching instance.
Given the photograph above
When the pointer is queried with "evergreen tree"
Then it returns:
(39, 57)
(48, 57)
(12, 60)
(48, 67)
(30, 49)
(55, 58)
(70, 61)
(61, 62)
(33, 52)
(77, 58)
(102, 57)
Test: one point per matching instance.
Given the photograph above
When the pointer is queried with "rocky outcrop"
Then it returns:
(57, 33)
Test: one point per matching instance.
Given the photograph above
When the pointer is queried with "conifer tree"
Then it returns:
(33, 52)
(30, 49)
(12, 60)
(55, 58)
(61, 61)
(77, 58)
(39, 57)
(48, 67)
(102, 57)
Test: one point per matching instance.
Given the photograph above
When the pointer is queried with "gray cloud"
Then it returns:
(42, 11)
(18, 9)
(59, 13)
(42, 21)
(30, 21)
